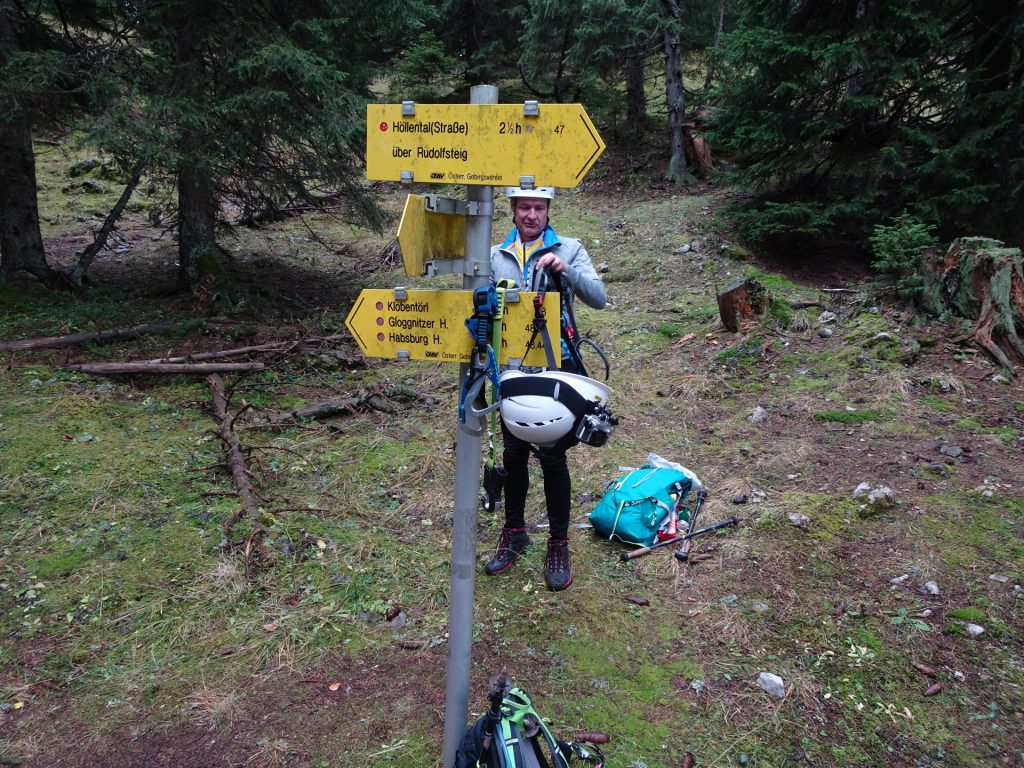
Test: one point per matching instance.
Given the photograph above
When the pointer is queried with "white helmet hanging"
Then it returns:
(542, 408)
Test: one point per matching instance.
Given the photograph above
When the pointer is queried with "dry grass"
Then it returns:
(224, 582)
(272, 753)
(214, 708)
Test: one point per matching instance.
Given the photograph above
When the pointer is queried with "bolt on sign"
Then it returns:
(431, 325)
(491, 144)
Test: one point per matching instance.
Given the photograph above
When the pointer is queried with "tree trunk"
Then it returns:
(21, 242)
(197, 200)
(675, 101)
(197, 221)
(716, 43)
(636, 97)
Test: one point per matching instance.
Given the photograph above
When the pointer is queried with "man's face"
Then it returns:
(531, 216)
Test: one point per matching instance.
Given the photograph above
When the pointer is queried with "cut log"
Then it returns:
(96, 337)
(107, 369)
(982, 280)
(741, 301)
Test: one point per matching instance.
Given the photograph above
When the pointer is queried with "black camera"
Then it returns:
(594, 428)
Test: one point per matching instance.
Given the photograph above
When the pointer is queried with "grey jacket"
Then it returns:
(581, 275)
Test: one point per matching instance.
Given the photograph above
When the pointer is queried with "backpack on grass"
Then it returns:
(639, 503)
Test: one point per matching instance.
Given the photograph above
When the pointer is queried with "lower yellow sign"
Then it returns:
(431, 325)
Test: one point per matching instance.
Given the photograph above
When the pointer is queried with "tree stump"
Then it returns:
(740, 301)
(983, 280)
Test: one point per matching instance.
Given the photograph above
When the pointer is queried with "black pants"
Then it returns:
(557, 483)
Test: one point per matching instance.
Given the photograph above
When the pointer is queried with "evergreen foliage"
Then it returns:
(899, 249)
(254, 108)
(842, 113)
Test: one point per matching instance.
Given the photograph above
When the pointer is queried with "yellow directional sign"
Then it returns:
(431, 325)
(425, 235)
(496, 144)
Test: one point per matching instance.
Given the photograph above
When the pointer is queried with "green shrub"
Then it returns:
(899, 249)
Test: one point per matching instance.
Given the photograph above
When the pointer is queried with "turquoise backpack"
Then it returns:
(636, 505)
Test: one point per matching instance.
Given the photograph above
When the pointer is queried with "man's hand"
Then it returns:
(553, 263)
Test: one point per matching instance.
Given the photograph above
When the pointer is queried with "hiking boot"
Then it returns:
(510, 546)
(557, 568)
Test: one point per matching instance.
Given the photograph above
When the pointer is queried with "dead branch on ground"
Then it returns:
(286, 347)
(241, 477)
(148, 367)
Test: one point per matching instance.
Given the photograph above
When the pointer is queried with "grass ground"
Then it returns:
(129, 636)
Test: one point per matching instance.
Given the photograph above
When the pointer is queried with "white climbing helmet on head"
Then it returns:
(543, 193)
(542, 408)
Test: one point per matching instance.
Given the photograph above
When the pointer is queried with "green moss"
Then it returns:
(807, 384)
(781, 311)
(851, 417)
(58, 564)
(938, 404)
(969, 423)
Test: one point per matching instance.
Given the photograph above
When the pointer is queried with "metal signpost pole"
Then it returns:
(468, 451)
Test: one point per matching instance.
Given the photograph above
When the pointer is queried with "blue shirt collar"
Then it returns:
(549, 236)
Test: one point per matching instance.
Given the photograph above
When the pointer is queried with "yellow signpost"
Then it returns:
(431, 325)
(491, 144)
(425, 235)
(481, 145)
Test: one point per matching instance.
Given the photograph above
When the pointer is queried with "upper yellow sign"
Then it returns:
(431, 325)
(495, 144)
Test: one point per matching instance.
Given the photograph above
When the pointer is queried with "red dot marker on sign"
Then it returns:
(380, 305)
(380, 321)
(384, 126)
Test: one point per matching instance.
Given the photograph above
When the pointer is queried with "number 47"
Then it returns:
(560, 128)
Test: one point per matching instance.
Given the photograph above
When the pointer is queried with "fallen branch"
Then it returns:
(318, 410)
(98, 337)
(240, 474)
(106, 369)
(286, 346)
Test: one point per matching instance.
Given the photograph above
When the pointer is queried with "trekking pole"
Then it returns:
(701, 495)
(731, 522)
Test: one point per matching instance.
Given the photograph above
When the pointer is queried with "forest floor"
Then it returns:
(130, 635)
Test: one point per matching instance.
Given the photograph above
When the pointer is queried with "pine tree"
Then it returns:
(253, 107)
(843, 113)
(48, 72)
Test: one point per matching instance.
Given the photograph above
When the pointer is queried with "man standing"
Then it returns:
(531, 249)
